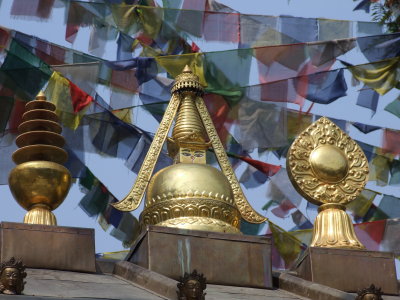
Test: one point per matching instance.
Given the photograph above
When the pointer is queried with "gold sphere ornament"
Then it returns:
(40, 183)
(329, 169)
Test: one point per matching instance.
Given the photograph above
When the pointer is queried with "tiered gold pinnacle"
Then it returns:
(189, 194)
(329, 169)
(40, 183)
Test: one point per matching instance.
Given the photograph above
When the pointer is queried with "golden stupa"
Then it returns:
(40, 183)
(189, 194)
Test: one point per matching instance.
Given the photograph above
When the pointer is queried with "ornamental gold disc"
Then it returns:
(325, 165)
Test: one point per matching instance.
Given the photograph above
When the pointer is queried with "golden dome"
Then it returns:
(191, 196)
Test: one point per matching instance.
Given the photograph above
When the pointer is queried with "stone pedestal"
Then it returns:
(349, 270)
(48, 247)
(225, 259)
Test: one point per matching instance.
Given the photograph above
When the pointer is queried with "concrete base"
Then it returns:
(48, 247)
(225, 259)
(349, 270)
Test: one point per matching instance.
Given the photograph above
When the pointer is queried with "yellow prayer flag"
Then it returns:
(155, 14)
(362, 203)
(304, 235)
(58, 92)
(124, 114)
(379, 168)
(382, 76)
(174, 64)
(288, 245)
(119, 255)
(125, 17)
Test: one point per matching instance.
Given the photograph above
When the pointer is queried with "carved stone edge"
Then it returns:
(154, 282)
(305, 288)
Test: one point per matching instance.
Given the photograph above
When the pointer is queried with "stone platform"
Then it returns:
(224, 259)
(349, 270)
(48, 247)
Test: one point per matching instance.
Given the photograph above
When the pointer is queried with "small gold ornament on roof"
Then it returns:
(40, 182)
(12, 277)
(192, 286)
(329, 169)
(371, 293)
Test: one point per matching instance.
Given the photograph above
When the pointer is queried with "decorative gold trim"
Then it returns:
(329, 169)
(194, 207)
(247, 212)
(135, 195)
(320, 181)
(188, 195)
(200, 223)
(342, 236)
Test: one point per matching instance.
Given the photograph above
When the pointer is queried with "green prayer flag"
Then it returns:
(6, 104)
(27, 71)
(395, 173)
(222, 76)
(88, 180)
(95, 201)
(394, 107)
(249, 228)
(362, 203)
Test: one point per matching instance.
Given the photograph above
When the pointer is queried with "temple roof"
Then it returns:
(53, 284)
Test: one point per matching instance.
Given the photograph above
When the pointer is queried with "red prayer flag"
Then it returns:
(195, 48)
(16, 115)
(79, 98)
(370, 234)
(4, 36)
(283, 209)
(38, 8)
(220, 114)
(125, 79)
(50, 54)
(267, 169)
(222, 27)
(391, 141)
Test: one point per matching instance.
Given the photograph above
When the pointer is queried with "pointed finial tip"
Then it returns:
(41, 96)
(187, 69)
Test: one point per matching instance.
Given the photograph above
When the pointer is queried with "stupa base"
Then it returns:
(48, 247)
(225, 259)
(349, 270)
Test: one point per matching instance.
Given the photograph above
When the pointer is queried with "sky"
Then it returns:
(112, 171)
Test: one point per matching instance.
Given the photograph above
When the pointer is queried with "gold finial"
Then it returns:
(187, 81)
(187, 69)
(40, 183)
(329, 169)
(41, 96)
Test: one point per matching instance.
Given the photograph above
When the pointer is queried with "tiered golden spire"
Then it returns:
(40, 183)
(188, 122)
